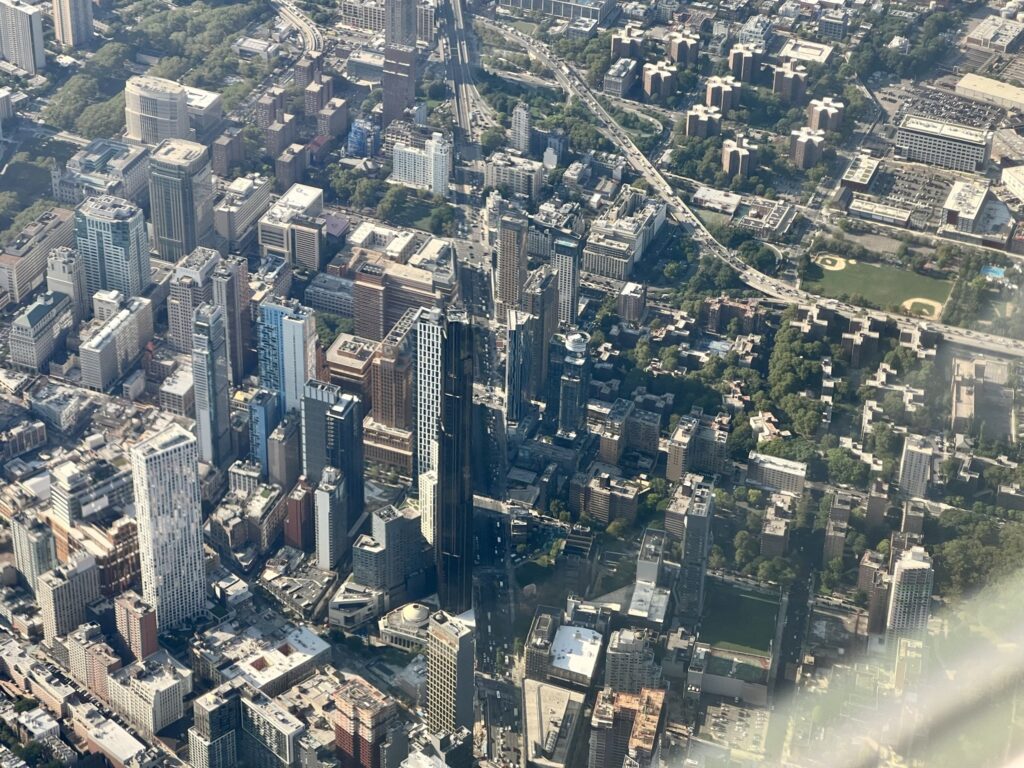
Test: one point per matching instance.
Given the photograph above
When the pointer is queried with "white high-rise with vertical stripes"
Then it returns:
(165, 473)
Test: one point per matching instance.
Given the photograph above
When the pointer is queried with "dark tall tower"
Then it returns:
(345, 451)
(231, 293)
(332, 436)
(453, 540)
(400, 22)
(398, 81)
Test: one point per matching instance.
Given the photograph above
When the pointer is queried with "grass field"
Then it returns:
(737, 619)
(882, 286)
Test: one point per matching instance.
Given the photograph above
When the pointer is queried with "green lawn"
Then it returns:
(528, 28)
(738, 619)
(882, 286)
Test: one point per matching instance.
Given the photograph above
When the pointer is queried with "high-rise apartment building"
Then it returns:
(400, 22)
(451, 649)
(287, 349)
(393, 549)
(363, 718)
(610, 728)
(398, 81)
(210, 380)
(388, 429)
(64, 592)
(72, 23)
(230, 281)
(21, 35)
(916, 466)
(520, 140)
(910, 595)
(427, 168)
(180, 198)
(155, 109)
(111, 239)
(191, 286)
(165, 475)
(213, 739)
(574, 382)
(330, 522)
(565, 258)
(264, 416)
(689, 515)
(65, 274)
(34, 552)
(135, 620)
(510, 274)
(629, 661)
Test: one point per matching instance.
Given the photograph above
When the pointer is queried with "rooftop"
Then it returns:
(953, 131)
(575, 650)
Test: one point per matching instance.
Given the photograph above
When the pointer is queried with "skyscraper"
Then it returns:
(180, 197)
(398, 81)
(213, 740)
(451, 649)
(362, 718)
(34, 551)
(191, 286)
(136, 625)
(330, 522)
(21, 35)
(64, 592)
(522, 327)
(287, 349)
(574, 383)
(521, 128)
(64, 274)
(916, 466)
(155, 109)
(72, 23)
(264, 416)
(565, 257)
(910, 595)
(111, 238)
(231, 293)
(332, 436)
(400, 22)
(453, 538)
(430, 333)
(540, 298)
(168, 511)
(700, 511)
(388, 434)
(210, 380)
(510, 273)
(610, 728)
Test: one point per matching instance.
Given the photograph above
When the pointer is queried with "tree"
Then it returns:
(716, 558)
(103, 119)
(491, 140)
(616, 528)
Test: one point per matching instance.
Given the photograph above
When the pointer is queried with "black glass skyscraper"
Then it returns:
(453, 541)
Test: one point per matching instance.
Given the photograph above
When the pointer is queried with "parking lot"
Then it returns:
(735, 726)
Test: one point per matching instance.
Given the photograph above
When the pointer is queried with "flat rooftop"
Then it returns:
(576, 650)
(952, 131)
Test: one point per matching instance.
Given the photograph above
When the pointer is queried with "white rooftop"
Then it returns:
(575, 649)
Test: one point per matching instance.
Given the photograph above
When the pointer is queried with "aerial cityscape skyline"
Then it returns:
(511, 384)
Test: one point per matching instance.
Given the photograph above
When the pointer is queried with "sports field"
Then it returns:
(738, 619)
(882, 285)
